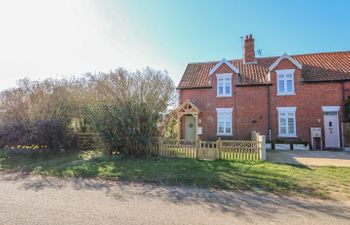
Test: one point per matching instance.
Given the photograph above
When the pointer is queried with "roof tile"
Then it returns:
(331, 66)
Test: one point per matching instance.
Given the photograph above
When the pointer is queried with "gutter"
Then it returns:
(269, 131)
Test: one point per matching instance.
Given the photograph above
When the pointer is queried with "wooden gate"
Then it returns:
(88, 141)
(346, 134)
(207, 150)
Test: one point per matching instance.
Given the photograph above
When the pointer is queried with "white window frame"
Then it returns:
(223, 76)
(285, 73)
(224, 112)
(287, 110)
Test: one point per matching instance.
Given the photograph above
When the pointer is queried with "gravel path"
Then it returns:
(26, 199)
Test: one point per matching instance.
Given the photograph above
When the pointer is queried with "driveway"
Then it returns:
(310, 158)
(26, 199)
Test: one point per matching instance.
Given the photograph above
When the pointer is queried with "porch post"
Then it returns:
(178, 127)
(196, 116)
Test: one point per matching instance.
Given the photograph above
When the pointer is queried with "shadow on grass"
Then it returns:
(238, 203)
(232, 175)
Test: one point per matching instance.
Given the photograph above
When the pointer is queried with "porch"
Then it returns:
(188, 113)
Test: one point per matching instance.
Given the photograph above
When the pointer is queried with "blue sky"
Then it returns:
(62, 38)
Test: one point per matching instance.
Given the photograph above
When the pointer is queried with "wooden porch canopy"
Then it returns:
(187, 108)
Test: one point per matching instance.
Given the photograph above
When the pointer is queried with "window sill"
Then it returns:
(285, 94)
(224, 96)
(287, 136)
(224, 134)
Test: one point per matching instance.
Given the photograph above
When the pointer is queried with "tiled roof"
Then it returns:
(332, 66)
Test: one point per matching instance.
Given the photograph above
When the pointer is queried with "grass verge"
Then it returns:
(281, 179)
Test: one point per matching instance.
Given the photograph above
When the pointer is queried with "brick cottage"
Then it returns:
(280, 97)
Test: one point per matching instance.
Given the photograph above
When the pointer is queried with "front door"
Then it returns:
(190, 130)
(331, 130)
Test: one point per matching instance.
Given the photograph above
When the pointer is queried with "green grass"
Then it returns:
(281, 179)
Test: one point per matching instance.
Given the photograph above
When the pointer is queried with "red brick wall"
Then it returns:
(309, 99)
(250, 104)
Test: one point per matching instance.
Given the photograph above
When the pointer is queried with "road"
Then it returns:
(27, 199)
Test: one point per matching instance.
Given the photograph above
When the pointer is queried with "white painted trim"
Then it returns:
(287, 110)
(287, 136)
(223, 110)
(284, 73)
(285, 56)
(330, 108)
(223, 61)
(285, 94)
(223, 75)
(219, 134)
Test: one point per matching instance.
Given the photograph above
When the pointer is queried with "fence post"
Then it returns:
(261, 139)
(218, 148)
(198, 143)
(160, 146)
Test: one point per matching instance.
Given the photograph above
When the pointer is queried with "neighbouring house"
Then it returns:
(280, 97)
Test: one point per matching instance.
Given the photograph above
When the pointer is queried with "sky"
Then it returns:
(61, 38)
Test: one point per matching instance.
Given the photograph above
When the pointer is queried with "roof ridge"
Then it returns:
(322, 53)
(269, 57)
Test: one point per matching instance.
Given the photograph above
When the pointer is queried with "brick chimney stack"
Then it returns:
(249, 51)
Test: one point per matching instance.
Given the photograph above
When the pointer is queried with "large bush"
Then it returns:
(123, 107)
(39, 113)
(128, 107)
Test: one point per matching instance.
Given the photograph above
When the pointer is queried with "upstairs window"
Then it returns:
(285, 82)
(224, 121)
(224, 84)
(286, 121)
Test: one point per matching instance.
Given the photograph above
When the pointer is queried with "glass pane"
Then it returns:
(228, 127)
(290, 114)
(282, 122)
(221, 90)
(331, 113)
(221, 126)
(280, 86)
(283, 128)
(282, 114)
(290, 76)
(290, 86)
(221, 86)
(290, 125)
(227, 88)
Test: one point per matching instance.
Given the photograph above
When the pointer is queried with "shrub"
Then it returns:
(53, 134)
(128, 109)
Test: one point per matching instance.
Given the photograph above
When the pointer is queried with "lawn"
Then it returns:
(281, 179)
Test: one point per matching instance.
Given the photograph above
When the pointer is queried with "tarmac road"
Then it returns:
(27, 199)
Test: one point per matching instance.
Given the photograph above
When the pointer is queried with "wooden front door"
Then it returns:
(190, 128)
